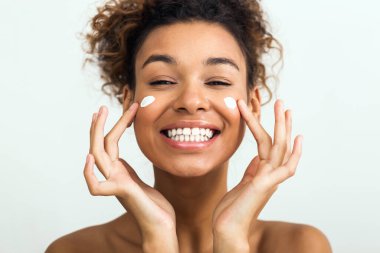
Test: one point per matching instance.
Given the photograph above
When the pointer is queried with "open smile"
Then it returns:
(190, 135)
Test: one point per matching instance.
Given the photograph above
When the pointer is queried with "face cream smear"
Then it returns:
(230, 102)
(147, 101)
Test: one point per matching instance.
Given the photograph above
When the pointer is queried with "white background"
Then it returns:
(331, 81)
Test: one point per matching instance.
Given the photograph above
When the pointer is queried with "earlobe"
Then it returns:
(127, 98)
(254, 102)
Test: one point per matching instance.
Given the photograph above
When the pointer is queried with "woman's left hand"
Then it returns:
(235, 215)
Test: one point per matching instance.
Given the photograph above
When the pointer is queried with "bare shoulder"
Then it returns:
(83, 240)
(292, 237)
(99, 238)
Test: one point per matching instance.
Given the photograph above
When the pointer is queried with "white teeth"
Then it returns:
(190, 131)
(195, 134)
(195, 131)
(190, 138)
(186, 131)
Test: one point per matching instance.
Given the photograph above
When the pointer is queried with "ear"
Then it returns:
(127, 98)
(254, 102)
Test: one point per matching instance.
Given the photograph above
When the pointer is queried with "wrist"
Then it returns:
(163, 241)
(224, 244)
(161, 245)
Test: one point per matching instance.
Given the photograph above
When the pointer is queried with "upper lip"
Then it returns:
(191, 124)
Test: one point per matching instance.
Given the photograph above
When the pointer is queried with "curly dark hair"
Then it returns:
(120, 27)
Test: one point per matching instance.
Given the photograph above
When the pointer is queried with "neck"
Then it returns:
(194, 199)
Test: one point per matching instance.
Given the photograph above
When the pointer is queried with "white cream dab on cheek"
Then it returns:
(147, 101)
(230, 102)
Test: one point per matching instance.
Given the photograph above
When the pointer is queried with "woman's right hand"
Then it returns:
(153, 213)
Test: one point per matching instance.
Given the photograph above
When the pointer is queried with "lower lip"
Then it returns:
(188, 145)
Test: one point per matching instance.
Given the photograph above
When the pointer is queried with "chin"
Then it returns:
(189, 168)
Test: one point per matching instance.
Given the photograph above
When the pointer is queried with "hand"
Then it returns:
(152, 211)
(275, 162)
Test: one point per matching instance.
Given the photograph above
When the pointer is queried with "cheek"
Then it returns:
(226, 106)
(230, 103)
(146, 101)
(145, 118)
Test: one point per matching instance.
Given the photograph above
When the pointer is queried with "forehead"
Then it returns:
(192, 41)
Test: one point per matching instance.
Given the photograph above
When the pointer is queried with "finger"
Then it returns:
(112, 138)
(96, 188)
(251, 170)
(289, 168)
(278, 150)
(102, 160)
(263, 139)
(288, 120)
(89, 175)
(94, 115)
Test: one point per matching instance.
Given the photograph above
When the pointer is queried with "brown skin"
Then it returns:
(189, 208)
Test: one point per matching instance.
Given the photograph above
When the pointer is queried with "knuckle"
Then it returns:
(96, 152)
(109, 139)
(250, 122)
(280, 147)
(265, 139)
(93, 190)
(291, 172)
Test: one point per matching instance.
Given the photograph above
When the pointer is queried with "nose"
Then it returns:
(191, 99)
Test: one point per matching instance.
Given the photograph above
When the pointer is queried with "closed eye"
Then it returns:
(212, 83)
(165, 82)
(161, 82)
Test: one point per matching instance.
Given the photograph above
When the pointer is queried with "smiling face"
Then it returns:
(192, 70)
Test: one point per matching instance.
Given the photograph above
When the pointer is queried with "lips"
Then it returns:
(190, 134)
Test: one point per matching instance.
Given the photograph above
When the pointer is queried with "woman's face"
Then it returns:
(189, 68)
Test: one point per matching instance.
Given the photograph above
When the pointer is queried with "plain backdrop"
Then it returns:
(330, 79)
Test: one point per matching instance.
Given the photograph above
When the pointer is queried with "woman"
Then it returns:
(188, 74)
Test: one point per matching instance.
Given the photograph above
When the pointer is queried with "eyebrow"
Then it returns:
(170, 60)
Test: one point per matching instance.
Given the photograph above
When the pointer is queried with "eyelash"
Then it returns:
(165, 82)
